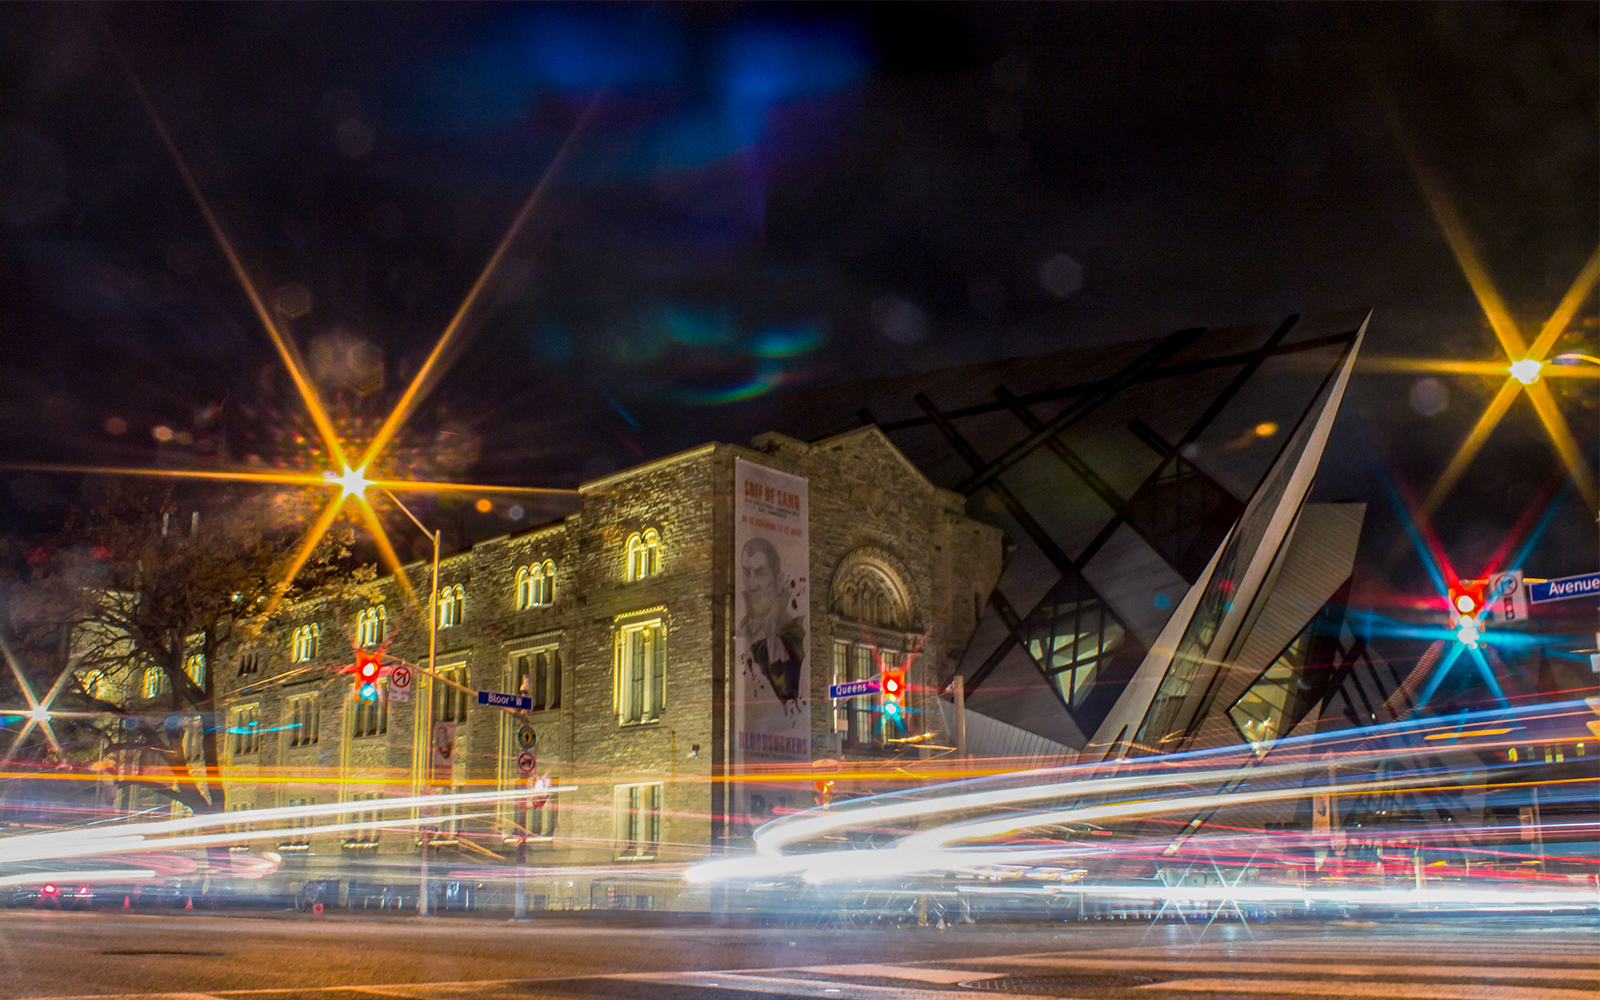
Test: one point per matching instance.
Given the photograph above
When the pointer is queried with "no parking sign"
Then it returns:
(400, 683)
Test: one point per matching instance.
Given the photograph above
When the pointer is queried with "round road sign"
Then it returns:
(400, 677)
(525, 737)
(526, 762)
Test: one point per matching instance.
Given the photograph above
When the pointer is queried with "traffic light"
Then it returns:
(894, 696)
(1466, 598)
(1466, 607)
(367, 670)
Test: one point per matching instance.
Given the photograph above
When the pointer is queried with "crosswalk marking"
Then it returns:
(1410, 991)
(793, 987)
(918, 974)
(1591, 974)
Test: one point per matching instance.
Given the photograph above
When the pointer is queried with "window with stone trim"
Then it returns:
(641, 671)
(305, 720)
(644, 554)
(244, 726)
(537, 674)
(449, 700)
(452, 606)
(366, 812)
(249, 662)
(638, 821)
(297, 835)
(195, 666)
(372, 625)
(370, 717)
(536, 585)
(239, 825)
(304, 643)
(859, 720)
(156, 682)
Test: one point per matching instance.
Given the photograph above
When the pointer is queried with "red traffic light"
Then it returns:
(894, 683)
(1466, 598)
(367, 667)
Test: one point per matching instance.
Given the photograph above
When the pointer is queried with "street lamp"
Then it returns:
(433, 643)
(1527, 370)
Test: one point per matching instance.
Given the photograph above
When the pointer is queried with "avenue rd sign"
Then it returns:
(1586, 585)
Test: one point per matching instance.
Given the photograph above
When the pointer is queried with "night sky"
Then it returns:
(756, 199)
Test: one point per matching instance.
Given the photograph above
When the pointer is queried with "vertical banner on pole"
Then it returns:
(772, 635)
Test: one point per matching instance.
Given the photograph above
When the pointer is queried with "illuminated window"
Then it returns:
(369, 814)
(298, 835)
(239, 825)
(858, 719)
(195, 666)
(449, 699)
(245, 728)
(370, 716)
(1266, 710)
(452, 606)
(542, 815)
(304, 643)
(537, 674)
(371, 627)
(638, 820)
(156, 682)
(305, 721)
(536, 585)
(644, 554)
(641, 668)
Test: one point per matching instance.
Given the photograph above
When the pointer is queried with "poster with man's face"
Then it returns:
(772, 632)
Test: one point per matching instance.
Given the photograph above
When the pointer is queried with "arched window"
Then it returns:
(371, 626)
(303, 643)
(536, 585)
(452, 606)
(644, 554)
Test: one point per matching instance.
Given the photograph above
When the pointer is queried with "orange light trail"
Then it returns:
(286, 349)
(302, 552)
(423, 380)
(1458, 237)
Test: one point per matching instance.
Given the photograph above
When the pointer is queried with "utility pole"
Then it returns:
(433, 645)
(959, 686)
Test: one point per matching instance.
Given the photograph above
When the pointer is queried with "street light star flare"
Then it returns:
(1527, 370)
(354, 482)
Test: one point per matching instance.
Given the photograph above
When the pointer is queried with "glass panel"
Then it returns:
(658, 670)
(1262, 712)
(555, 678)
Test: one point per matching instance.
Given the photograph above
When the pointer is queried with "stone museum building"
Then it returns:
(618, 622)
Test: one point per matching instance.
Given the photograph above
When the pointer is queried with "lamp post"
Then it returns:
(1572, 358)
(433, 642)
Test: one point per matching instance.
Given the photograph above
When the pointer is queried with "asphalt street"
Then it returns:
(59, 955)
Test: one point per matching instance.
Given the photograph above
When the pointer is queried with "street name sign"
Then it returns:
(520, 702)
(1587, 585)
(400, 684)
(853, 689)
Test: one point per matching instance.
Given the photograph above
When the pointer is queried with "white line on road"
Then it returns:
(792, 987)
(1590, 974)
(920, 975)
(1409, 991)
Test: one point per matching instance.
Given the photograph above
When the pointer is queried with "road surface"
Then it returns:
(155, 957)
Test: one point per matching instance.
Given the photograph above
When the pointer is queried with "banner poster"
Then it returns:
(771, 640)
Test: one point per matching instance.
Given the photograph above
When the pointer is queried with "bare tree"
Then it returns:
(150, 581)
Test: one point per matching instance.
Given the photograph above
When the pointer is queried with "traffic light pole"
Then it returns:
(433, 645)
